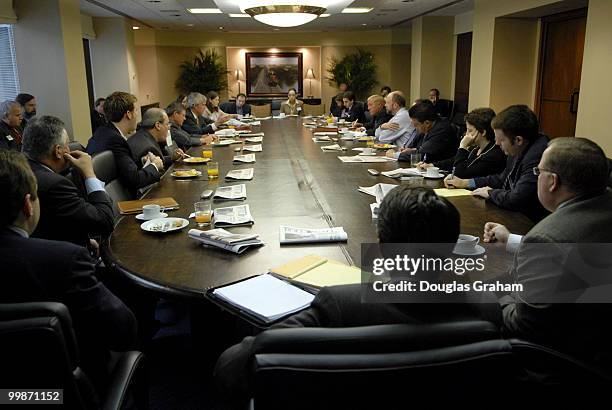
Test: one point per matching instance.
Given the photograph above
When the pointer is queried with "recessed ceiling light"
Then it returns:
(363, 24)
(357, 10)
(220, 27)
(325, 15)
(239, 15)
(135, 28)
(204, 11)
(190, 25)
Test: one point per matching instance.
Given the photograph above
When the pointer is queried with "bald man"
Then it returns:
(376, 107)
(151, 139)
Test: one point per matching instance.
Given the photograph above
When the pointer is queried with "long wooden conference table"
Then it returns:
(295, 183)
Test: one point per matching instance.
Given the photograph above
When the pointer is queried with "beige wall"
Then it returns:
(513, 78)
(432, 56)
(166, 50)
(113, 57)
(7, 13)
(596, 85)
(87, 27)
(50, 62)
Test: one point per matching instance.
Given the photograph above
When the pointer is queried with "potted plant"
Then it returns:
(357, 70)
(204, 73)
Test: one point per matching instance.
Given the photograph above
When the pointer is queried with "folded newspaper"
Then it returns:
(231, 193)
(379, 191)
(403, 172)
(253, 148)
(254, 139)
(246, 159)
(240, 174)
(333, 147)
(233, 216)
(290, 234)
(323, 138)
(220, 238)
(365, 160)
(222, 143)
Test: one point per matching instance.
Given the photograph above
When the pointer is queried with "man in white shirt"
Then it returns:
(399, 130)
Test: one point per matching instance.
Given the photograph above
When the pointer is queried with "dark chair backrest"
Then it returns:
(106, 170)
(319, 365)
(225, 106)
(610, 169)
(458, 121)
(76, 146)
(39, 351)
(446, 108)
(276, 104)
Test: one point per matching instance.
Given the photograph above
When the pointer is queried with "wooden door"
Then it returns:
(462, 72)
(560, 70)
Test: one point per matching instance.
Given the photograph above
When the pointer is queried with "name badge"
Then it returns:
(8, 137)
(299, 109)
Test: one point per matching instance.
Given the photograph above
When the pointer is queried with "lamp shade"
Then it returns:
(310, 75)
(284, 13)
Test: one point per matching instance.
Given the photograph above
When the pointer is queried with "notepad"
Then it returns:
(452, 192)
(318, 271)
(265, 297)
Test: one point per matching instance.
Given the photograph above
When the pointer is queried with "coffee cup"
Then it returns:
(343, 130)
(466, 243)
(342, 121)
(433, 172)
(282, 114)
(151, 211)
(369, 151)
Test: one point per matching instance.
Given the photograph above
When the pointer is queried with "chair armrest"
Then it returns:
(127, 375)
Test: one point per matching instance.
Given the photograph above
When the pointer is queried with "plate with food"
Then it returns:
(196, 160)
(364, 139)
(164, 225)
(186, 173)
(384, 146)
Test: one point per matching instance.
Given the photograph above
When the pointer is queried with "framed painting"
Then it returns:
(273, 74)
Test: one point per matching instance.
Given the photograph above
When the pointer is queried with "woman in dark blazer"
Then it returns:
(478, 155)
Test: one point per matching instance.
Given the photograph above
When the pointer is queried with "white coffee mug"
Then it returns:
(369, 151)
(342, 121)
(282, 114)
(466, 243)
(433, 171)
(151, 211)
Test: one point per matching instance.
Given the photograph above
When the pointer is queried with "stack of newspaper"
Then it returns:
(253, 148)
(290, 234)
(333, 147)
(231, 193)
(220, 238)
(254, 139)
(233, 216)
(245, 159)
(240, 174)
(379, 191)
(363, 159)
(403, 172)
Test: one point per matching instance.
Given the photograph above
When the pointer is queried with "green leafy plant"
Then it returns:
(204, 73)
(357, 70)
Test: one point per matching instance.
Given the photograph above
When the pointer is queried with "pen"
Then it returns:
(425, 158)
(452, 175)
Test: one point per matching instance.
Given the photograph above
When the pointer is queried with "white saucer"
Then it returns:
(363, 154)
(141, 217)
(434, 177)
(164, 225)
(478, 250)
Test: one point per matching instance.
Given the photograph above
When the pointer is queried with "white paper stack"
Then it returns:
(240, 174)
(245, 159)
(322, 138)
(223, 143)
(333, 147)
(233, 216)
(253, 148)
(366, 159)
(265, 297)
(254, 139)
(403, 172)
(231, 193)
(220, 238)
(290, 234)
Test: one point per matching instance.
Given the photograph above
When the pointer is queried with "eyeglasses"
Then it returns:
(537, 171)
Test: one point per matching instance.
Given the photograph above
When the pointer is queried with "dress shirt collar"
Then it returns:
(120, 132)
(18, 231)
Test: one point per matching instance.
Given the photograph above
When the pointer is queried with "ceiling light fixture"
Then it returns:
(284, 13)
(204, 11)
(135, 28)
(238, 15)
(355, 10)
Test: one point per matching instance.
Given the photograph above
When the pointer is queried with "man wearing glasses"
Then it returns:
(517, 133)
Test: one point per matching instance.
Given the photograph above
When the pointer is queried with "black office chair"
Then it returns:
(446, 108)
(106, 170)
(610, 169)
(390, 364)
(39, 351)
(225, 106)
(458, 121)
(76, 146)
(276, 104)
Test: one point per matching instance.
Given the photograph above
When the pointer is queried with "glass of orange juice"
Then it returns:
(213, 170)
(207, 153)
(203, 213)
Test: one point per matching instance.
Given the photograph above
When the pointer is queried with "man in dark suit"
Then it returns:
(353, 110)
(10, 121)
(28, 105)
(239, 107)
(43, 270)
(120, 111)
(436, 140)
(406, 215)
(517, 133)
(565, 258)
(376, 107)
(195, 123)
(97, 115)
(185, 140)
(65, 213)
(151, 138)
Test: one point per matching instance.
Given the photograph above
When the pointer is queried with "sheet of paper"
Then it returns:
(299, 266)
(445, 192)
(253, 148)
(331, 273)
(265, 296)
